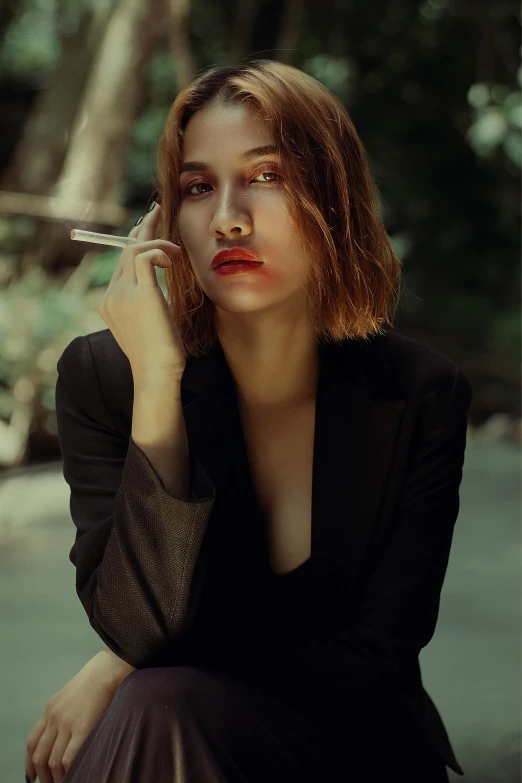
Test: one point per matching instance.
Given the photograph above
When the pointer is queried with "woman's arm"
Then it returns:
(136, 546)
(158, 429)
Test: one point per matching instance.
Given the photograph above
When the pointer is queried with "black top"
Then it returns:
(296, 599)
(267, 619)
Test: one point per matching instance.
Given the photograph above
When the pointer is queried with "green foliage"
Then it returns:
(497, 120)
(161, 80)
(339, 74)
(102, 267)
(32, 43)
(36, 316)
(505, 335)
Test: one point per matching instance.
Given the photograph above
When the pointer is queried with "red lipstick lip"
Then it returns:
(234, 254)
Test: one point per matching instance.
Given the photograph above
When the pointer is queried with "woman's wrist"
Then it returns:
(114, 669)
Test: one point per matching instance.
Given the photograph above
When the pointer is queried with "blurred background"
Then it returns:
(434, 90)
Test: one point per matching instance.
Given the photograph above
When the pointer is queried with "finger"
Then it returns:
(149, 225)
(31, 745)
(135, 230)
(72, 749)
(145, 231)
(42, 753)
(142, 270)
(134, 233)
(30, 770)
(118, 269)
(126, 264)
(56, 758)
(131, 253)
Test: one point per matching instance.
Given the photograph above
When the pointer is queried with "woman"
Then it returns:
(264, 480)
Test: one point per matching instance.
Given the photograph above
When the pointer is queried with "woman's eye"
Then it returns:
(187, 191)
(262, 174)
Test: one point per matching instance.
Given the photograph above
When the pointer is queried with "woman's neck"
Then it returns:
(273, 374)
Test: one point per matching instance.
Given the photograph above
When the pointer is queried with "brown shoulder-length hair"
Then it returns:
(355, 278)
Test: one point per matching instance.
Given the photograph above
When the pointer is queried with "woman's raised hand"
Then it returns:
(136, 311)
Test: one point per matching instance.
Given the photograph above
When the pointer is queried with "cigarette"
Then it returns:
(101, 239)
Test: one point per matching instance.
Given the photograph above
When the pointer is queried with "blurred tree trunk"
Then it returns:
(246, 11)
(289, 31)
(111, 100)
(184, 67)
(39, 155)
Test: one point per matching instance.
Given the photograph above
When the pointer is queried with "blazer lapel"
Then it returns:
(207, 407)
(215, 436)
(356, 431)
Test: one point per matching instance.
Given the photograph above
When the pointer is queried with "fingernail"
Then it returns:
(138, 221)
(151, 207)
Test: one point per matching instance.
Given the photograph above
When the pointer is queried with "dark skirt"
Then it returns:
(187, 724)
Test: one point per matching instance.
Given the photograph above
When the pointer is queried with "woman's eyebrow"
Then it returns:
(256, 152)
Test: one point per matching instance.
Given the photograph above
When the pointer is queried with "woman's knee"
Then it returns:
(182, 688)
(186, 697)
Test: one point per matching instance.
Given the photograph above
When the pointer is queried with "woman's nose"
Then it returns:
(229, 220)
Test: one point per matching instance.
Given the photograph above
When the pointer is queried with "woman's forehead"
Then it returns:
(216, 128)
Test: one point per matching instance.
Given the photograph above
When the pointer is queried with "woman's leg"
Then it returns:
(183, 724)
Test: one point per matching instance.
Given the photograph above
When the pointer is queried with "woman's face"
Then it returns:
(235, 202)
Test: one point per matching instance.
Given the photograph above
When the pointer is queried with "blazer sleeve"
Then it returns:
(397, 606)
(136, 547)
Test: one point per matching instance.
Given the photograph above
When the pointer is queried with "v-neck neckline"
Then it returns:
(301, 567)
(249, 476)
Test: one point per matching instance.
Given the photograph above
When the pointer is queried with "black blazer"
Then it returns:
(390, 437)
